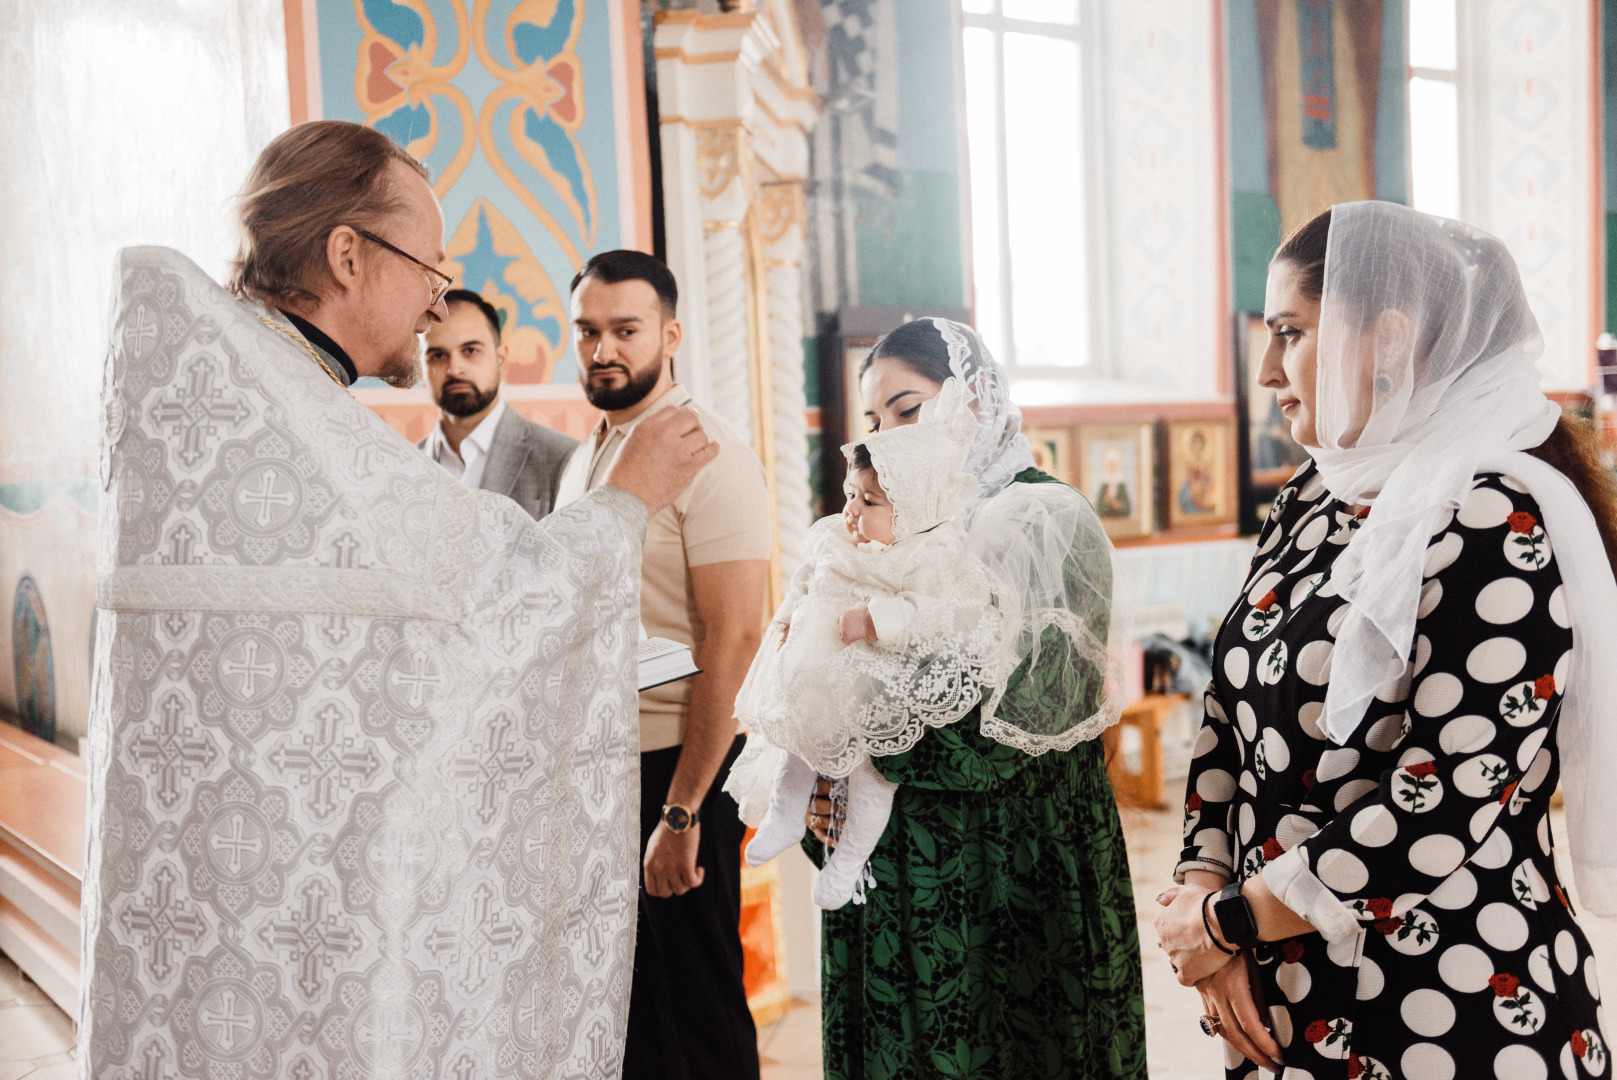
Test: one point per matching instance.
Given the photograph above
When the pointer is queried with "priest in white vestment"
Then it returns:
(363, 742)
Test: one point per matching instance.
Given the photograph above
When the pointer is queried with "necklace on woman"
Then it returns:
(310, 349)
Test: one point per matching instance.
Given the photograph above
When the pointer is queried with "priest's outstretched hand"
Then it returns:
(661, 456)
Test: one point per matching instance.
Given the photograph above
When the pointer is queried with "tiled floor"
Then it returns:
(1175, 1048)
(36, 1038)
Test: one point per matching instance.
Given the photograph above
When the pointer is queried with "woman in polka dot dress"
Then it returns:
(1380, 743)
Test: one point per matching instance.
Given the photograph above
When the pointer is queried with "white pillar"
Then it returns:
(735, 110)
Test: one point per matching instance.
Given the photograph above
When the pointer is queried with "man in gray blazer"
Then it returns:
(477, 437)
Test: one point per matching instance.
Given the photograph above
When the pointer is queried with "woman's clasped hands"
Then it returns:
(1220, 976)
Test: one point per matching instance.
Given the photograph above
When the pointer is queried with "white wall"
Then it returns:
(124, 123)
(1526, 169)
(1160, 197)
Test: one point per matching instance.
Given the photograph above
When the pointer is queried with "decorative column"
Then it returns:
(735, 112)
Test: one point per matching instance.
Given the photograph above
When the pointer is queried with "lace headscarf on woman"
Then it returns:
(1426, 377)
(1048, 552)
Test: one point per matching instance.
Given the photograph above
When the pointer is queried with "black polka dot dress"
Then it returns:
(1421, 850)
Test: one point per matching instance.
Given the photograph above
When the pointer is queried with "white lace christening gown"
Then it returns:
(816, 707)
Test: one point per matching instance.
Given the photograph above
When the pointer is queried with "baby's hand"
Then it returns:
(857, 626)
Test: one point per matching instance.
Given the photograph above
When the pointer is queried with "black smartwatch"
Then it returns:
(679, 818)
(1235, 919)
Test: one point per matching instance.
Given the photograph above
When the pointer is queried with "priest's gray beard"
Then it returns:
(402, 368)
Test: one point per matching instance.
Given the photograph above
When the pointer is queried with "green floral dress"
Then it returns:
(999, 941)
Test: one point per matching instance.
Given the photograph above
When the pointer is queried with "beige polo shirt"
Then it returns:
(723, 516)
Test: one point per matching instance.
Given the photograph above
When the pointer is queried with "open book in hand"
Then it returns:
(663, 661)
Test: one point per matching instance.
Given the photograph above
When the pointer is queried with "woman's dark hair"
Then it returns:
(919, 346)
(1304, 249)
(861, 459)
(1573, 447)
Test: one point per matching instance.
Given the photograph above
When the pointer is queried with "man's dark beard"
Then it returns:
(628, 395)
(460, 405)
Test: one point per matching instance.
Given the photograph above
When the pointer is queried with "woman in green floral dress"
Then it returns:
(999, 938)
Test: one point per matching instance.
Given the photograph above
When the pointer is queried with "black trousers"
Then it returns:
(688, 1016)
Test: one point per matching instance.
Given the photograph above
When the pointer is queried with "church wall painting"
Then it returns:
(33, 666)
(47, 586)
(1317, 116)
(525, 113)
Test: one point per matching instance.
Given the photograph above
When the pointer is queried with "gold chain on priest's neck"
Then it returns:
(310, 349)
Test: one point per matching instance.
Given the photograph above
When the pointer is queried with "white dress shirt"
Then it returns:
(473, 457)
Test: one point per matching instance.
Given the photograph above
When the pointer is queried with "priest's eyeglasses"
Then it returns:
(440, 280)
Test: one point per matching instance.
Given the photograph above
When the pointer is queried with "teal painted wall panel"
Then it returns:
(1254, 236)
(910, 250)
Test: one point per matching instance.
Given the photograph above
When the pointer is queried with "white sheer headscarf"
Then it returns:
(1426, 377)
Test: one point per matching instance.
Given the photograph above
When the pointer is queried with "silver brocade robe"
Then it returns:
(363, 756)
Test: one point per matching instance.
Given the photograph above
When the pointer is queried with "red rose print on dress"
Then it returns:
(1517, 1008)
(1416, 787)
(1389, 926)
(1309, 777)
(1292, 951)
(1380, 907)
(1264, 617)
(1579, 1044)
(1194, 802)
(1330, 1038)
(1544, 687)
(1272, 849)
(1526, 546)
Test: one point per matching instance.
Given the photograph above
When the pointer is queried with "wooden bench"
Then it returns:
(1142, 788)
(42, 796)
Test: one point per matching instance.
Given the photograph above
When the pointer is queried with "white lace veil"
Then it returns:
(1000, 450)
(1050, 556)
(921, 466)
(1426, 377)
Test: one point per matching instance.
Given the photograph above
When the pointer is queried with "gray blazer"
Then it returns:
(525, 462)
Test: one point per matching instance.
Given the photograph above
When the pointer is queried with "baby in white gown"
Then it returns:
(889, 629)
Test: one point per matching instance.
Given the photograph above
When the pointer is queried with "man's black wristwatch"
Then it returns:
(679, 818)
(1235, 919)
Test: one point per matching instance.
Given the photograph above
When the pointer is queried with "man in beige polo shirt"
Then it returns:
(703, 582)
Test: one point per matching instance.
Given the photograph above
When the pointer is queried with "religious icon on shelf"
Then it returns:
(1115, 471)
(1201, 473)
(1266, 454)
(1050, 451)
